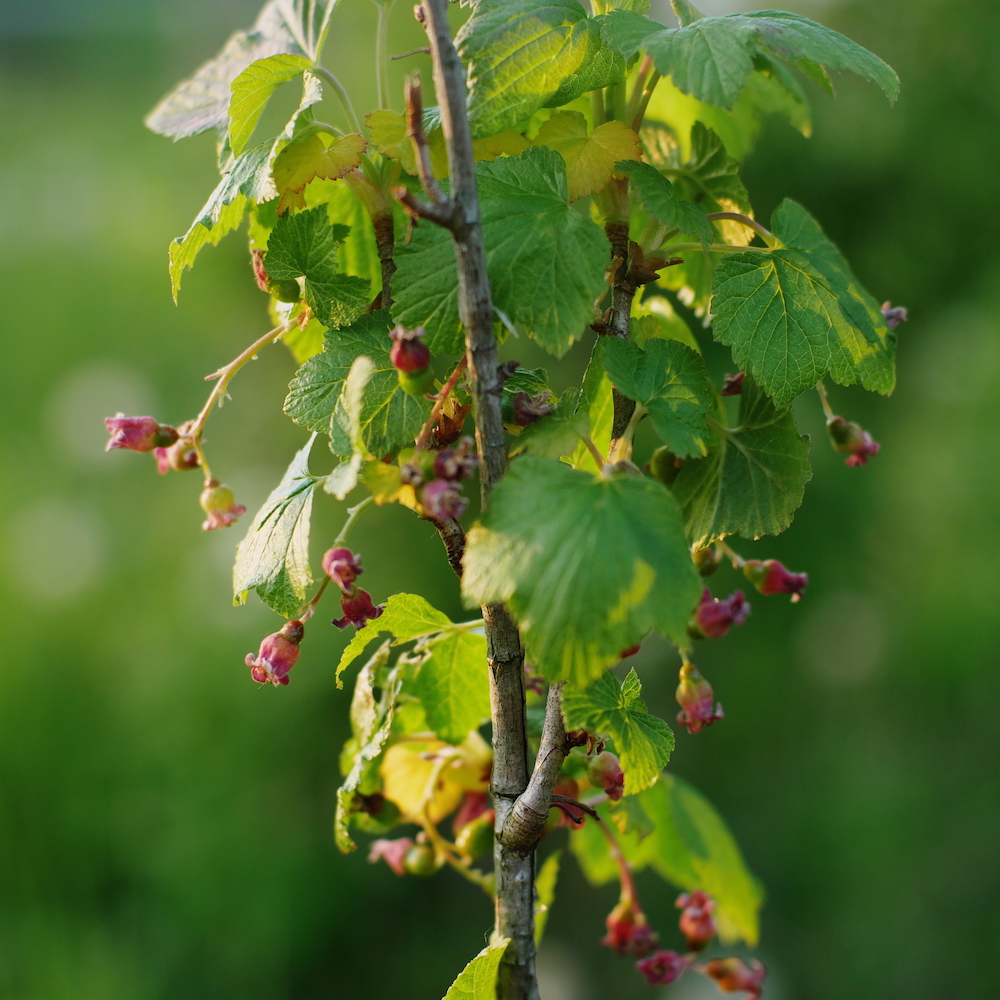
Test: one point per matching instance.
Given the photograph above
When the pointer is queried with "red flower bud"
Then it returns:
(713, 618)
(358, 609)
(628, 932)
(278, 653)
(697, 923)
(138, 433)
(695, 696)
(662, 967)
(733, 975)
(180, 456)
(631, 651)
(770, 577)
(732, 385)
(530, 409)
(851, 439)
(894, 315)
(605, 772)
(343, 567)
(392, 852)
(455, 464)
(409, 353)
(218, 502)
(443, 499)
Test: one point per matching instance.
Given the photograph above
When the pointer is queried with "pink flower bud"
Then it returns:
(443, 499)
(358, 609)
(605, 772)
(278, 653)
(713, 618)
(180, 456)
(392, 852)
(409, 353)
(695, 696)
(733, 975)
(851, 439)
(530, 409)
(662, 967)
(697, 923)
(894, 315)
(343, 567)
(457, 463)
(770, 577)
(218, 502)
(628, 932)
(732, 385)
(138, 433)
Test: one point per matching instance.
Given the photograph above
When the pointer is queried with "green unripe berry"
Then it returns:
(476, 838)
(664, 465)
(418, 384)
(420, 860)
(285, 291)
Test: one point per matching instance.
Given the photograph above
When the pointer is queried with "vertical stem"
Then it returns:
(384, 240)
(382, 52)
(514, 869)
(622, 293)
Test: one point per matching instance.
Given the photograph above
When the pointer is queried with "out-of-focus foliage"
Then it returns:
(167, 827)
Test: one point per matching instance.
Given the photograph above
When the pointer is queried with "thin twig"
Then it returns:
(341, 92)
(442, 398)
(413, 52)
(765, 234)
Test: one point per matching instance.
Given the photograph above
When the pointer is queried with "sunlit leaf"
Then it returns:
(313, 155)
(253, 88)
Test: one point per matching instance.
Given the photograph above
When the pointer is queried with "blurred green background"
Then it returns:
(165, 825)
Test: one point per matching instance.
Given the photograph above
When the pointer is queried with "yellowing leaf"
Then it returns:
(302, 160)
(388, 136)
(505, 143)
(590, 158)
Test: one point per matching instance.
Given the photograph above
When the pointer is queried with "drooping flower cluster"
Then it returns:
(732, 384)
(629, 932)
(218, 502)
(278, 653)
(604, 771)
(771, 577)
(696, 922)
(442, 497)
(409, 354)
(733, 975)
(713, 617)
(697, 700)
(138, 433)
(851, 439)
(344, 567)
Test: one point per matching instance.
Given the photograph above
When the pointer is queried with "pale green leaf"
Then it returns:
(389, 417)
(453, 685)
(671, 381)
(588, 566)
(406, 616)
(546, 261)
(557, 434)
(253, 88)
(597, 401)
(478, 980)
(273, 558)
(752, 481)
(642, 741)
(658, 198)
(796, 313)
(523, 55)
(545, 893)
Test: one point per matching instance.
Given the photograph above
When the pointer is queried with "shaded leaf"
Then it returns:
(545, 892)
(752, 481)
(657, 196)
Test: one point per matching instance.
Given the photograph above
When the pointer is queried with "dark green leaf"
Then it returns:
(546, 261)
(523, 55)
(671, 381)
(712, 58)
(642, 741)
(557, 434)
(273, 558)
(796, 313)
(752, 481)
(587, 565)
(657, 196)
(389, 417)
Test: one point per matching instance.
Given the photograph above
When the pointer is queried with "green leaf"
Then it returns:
(657, 196)
(389, 417)
(546, 261)
(752, 481)
(712, 58)
(523, 55)
(689, 846)
(350, 402)
(305, 245)
(273, 558)
(545, 893)
(453, 686)
(406, 616)
(588, 566)
(597, 401)
(671, 381)
(247, 177)
(796, 313)
(478, 980)
(557, 434)
(371, 724)
(200, 103)
(253, 88)
(643, 741)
